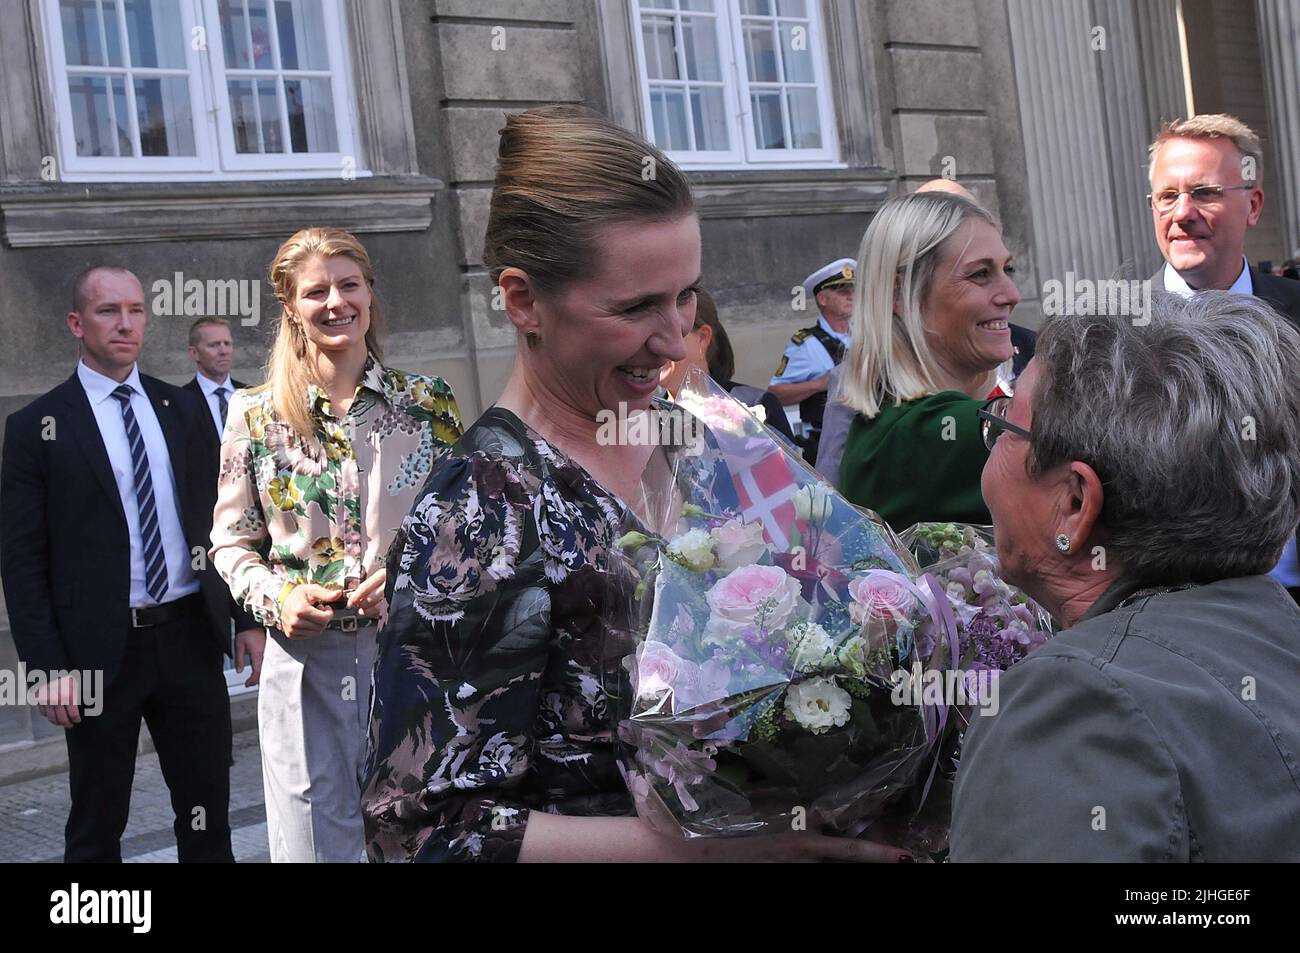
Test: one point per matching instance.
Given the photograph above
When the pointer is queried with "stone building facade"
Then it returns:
(1012, 97)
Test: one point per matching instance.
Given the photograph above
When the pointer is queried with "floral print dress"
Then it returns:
(494, 671)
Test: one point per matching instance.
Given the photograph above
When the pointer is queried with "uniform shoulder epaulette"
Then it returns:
(800, 336)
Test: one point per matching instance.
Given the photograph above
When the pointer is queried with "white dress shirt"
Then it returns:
(210, 389)
(1287, 570)
(181, 580)
(1174, 282)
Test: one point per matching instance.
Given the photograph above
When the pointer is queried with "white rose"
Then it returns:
(809, 646)
(812, 502)
(738, 544)
(693, 549)
(818, 705)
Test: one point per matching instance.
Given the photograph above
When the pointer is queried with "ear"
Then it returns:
(193, 352)
(1084, 498)
(706, 337)
(1256, 207)
(74, 324)
(520, 299)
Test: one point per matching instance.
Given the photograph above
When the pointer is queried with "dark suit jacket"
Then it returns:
(243, 620)
(64, 541)
(1282, 293)
(192, 385)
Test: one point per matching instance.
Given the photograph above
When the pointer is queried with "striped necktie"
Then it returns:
(222, 405)
(155, 560)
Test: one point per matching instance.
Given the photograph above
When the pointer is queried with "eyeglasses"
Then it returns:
(1203, 196)
(994, 420)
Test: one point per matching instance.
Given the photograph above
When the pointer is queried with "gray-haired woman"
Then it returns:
(1146, 477)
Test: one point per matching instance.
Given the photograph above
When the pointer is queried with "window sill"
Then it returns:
(758, 193)
(108, 214)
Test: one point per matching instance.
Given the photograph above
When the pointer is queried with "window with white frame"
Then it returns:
(736, 83)
(185, 89)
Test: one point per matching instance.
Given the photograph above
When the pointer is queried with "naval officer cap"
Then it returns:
(833, 275)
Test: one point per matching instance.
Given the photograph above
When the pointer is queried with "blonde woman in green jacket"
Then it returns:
(931, 326)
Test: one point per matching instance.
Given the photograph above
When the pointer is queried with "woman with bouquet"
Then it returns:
(931, 325)
(1142, 483)
(490, 730)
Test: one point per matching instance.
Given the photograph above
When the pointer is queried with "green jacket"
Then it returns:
(919, 461)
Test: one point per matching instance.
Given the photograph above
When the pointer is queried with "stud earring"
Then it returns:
(1063, 543)
(533, 339)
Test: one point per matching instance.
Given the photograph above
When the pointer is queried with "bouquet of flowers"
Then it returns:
(771, 622)
(997, 626)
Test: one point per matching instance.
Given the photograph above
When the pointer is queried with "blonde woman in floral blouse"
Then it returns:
(318, 468)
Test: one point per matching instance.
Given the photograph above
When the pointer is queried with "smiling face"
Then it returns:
(967, 311)
(111, 322)
(606, 338)
(1204, 244)
(213, 352)
(332, 299)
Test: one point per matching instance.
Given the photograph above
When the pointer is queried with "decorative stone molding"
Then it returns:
(63, 214)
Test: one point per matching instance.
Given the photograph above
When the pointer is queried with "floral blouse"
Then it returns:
(499, 662)
(287, 513)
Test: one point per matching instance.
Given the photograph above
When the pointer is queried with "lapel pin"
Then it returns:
(166, 402)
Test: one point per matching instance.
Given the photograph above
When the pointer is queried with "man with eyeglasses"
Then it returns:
(1205, 192)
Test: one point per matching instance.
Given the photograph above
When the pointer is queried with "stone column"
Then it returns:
(1279, 39)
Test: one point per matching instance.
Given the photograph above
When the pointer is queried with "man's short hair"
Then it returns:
(203, 322)
(1212, 126)
(81, 284)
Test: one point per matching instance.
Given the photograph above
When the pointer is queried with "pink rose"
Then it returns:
(660, 670)
(752, 595)
(881, 595)
(738, 544)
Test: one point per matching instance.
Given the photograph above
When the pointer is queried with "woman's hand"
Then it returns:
(368, 598)
(301, 617)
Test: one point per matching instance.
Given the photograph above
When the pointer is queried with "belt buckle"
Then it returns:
(348, 623)
(135, 620)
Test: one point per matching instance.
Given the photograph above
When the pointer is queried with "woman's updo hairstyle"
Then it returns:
(563, 172)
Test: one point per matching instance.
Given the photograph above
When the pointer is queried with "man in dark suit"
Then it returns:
(213, 351)
(106, 504)
(1205, 175)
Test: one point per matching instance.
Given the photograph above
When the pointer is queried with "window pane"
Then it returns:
(805, 119)
(122, 116)
(760, 8)
(301, 27)
(255, 116)
(156, 34)
(710, 120)
(701, 41)
(768, 130)
(82, 42)
(259, 19)
(112, 35)
(796, 53)
(792, 8)
(163, 108)
(668, 108)
(703, 6)
(91, 124)
(657, 4)
(660, 55)
(269, 107)
(760, 53)
(311, 115)
(234, 35)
